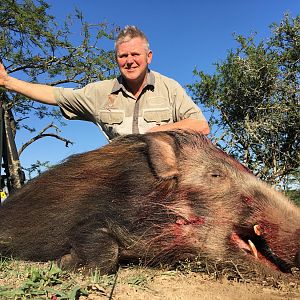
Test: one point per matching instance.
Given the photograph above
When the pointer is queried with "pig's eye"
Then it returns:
(216, 174)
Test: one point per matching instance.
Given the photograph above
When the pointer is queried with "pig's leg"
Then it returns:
(91, 249)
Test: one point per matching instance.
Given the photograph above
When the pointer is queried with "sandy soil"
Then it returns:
(155, 285)
(138, 283)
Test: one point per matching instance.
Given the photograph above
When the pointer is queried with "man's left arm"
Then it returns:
(186, 114)
(189, 124)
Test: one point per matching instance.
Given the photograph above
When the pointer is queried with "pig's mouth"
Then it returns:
(260, 250)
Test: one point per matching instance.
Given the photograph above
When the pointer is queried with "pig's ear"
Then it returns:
(162, 155)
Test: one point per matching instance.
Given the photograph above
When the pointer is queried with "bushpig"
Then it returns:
(156, 198)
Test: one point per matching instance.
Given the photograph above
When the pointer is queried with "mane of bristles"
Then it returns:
(197, 141)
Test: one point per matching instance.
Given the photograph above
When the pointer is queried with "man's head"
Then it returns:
(129, 32)
(133, 54)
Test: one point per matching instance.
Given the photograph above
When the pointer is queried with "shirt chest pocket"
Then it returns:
(157, 115)
(115, 116)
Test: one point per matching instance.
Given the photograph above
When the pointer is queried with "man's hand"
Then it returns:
(3, 76)
(39, 92)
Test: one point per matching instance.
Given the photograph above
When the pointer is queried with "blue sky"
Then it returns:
(182, 34)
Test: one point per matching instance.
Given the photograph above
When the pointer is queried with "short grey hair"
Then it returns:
(129, 32)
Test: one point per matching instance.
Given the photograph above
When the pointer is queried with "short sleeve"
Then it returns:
(80, 104)
(184, 107)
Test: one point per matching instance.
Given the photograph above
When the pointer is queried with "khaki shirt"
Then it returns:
(117, 112)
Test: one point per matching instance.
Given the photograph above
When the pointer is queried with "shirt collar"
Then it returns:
(119, 82)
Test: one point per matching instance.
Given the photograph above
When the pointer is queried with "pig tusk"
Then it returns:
(257, 230)
(253, 249)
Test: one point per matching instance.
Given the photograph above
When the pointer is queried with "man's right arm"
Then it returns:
(39, 92)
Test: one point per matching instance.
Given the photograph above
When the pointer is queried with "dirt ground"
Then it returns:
(171, 285)
(38, 281)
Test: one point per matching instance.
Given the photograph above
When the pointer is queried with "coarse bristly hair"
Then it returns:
(158, 198)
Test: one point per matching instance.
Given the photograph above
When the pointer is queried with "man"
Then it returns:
(139, 100)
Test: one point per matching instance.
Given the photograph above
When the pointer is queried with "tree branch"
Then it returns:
(42, 134)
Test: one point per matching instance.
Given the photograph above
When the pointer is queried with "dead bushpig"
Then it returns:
(156, 198)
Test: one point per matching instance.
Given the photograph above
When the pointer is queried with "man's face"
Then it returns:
(133, 59)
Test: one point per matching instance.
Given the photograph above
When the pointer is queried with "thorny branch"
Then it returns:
(42, 134)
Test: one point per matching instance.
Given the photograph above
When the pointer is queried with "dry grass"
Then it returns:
(200, 280)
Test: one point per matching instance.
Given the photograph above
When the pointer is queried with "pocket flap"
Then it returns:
(157, 115)
(112, 116)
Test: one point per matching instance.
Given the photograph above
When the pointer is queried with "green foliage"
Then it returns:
(36, 168)
(254, 101)
(34, 47)
(43, 283)
(27, 280)
(294, 195)
(140, 280)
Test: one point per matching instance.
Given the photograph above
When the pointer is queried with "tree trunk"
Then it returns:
(14, 175)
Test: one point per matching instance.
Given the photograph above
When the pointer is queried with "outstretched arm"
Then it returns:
(39, 92)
